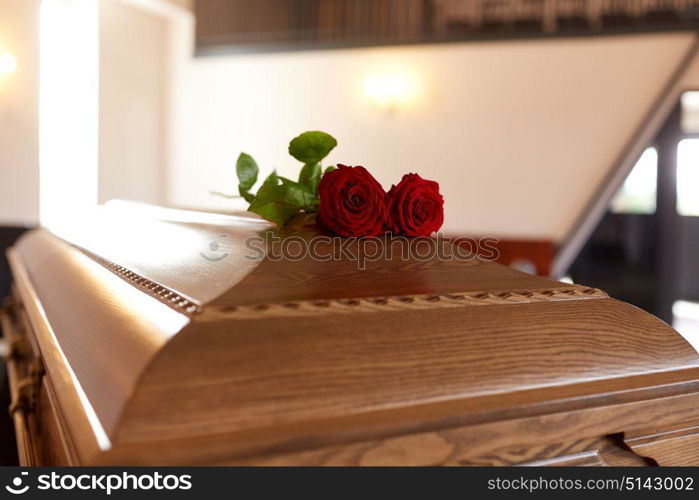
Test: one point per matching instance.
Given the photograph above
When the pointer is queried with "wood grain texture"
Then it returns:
(434, 362)
(443, 449)
(120, 329)
(84, 439)
(679, 447)
(583, 459)
(321, 367)
(56, 444)
(328, 442)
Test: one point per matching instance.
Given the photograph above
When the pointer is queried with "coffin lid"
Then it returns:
(157, 327)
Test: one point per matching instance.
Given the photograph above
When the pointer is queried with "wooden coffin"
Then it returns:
(149, 336)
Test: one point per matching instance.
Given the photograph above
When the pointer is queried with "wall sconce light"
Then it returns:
(8, 65)
(389, 92)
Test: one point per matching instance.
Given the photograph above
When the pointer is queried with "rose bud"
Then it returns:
(352, 202)
(415, 207)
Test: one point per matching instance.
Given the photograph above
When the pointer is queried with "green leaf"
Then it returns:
(329, 169)
(310, 176)
(285, 180)
(271, 180)
(247, 171)
(311, 147)
(279, 203)
(302, 193)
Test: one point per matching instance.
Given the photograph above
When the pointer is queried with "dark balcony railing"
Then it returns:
(292, 24)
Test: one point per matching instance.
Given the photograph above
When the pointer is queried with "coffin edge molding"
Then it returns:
(402, 302)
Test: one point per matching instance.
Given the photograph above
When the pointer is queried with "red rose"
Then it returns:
(415, 206)
(352, 202)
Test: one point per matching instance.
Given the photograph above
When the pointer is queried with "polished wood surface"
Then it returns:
(672, 447)
(319, 367)
(168, 358)
(121, 329)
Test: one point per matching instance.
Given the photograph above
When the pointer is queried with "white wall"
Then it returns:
(519, 134)
(134, 82)
(134, 78)
(19, 121)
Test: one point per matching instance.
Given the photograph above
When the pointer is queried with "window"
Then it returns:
(68, 92)
(686, 321)
(688, 177)
(690, 112)
(638, 194)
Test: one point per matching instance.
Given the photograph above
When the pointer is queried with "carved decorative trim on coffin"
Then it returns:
(382, 304)
(169, 297)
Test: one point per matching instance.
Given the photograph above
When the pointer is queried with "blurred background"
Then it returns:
(569, 129)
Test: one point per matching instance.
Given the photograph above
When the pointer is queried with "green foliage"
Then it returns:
(247, 170)
(279, 203)
(279, 198)
(311, 147)
(310, 176)
(271, 180)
